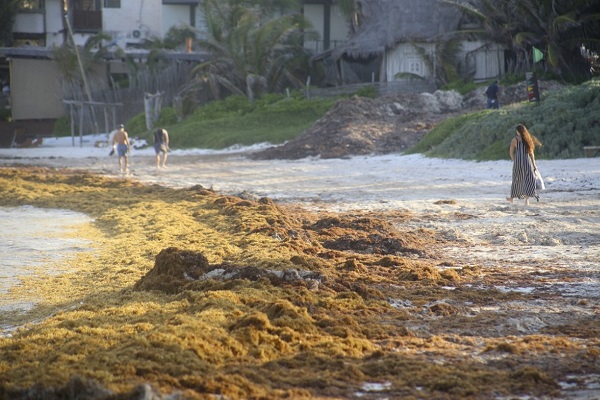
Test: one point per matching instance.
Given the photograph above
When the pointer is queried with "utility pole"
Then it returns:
(83, 76)
(85, 83)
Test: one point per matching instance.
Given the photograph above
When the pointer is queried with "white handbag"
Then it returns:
(539, 181)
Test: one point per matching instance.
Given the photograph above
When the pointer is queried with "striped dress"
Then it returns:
(523, 176)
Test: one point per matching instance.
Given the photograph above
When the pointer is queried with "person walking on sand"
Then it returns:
(524, 166)
(161, 146)
(122, 144)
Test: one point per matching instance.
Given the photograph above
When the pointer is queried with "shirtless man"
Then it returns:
(161, 146)
(122, 144)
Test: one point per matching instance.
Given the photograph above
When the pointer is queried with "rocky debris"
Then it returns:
(508, 94)
(359, 125)
(175, 268)
(81, 388)
(387, 124)
(310, 279)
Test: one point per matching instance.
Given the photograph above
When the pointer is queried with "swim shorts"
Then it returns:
(122, 150)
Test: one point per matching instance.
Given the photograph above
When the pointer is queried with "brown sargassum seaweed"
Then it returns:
(194, 293)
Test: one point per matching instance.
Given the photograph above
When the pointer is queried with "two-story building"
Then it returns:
(42, 23)
(30, 69)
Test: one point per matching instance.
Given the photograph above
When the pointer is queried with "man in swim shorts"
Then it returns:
(122, 144)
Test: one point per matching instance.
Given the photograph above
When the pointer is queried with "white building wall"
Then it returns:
(48, 21)
(143, 16)
(487, 59)
(54, 23)
(314, 14)
(201, 28)
(175, 16)
(339, 26)
(404, 58)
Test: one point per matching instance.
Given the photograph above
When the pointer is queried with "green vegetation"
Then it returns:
(564, 121)
(559, 29)
(234, 121)
(367, 91)
(463, 87)
(8, 13)
(256, 47)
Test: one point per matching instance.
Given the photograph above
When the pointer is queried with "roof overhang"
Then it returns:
(26, 52)
(181, 2)
(46, 53)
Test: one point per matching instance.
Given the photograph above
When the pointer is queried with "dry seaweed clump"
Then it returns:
(176, 270)
(194, 295)
(172, 270)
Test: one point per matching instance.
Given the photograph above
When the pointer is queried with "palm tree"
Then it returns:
(559, 27)
(250, 50)
(65, 57)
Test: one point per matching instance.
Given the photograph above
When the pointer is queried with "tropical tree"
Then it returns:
(560, 28)
(442, 61)
(8, 13)
(66, 57)
(251, 47)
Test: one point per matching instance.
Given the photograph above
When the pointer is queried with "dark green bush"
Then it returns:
(62, 127)
(367, 91)
(564, 121)
(5, 114)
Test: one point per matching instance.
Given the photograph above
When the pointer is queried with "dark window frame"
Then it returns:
(112, 3)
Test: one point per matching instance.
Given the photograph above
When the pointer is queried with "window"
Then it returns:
(415, 66)
(112, 3)
(32, 5)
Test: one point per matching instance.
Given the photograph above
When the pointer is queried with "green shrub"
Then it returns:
(273, 118)
(367, 91)
(564, 121)
(445, 130)
(5, 115)
(62, 127)
(461, 86)
(136, 126)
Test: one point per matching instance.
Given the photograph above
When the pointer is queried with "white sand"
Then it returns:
(561, 232)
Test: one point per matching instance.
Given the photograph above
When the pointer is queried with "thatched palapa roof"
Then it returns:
(388, 22)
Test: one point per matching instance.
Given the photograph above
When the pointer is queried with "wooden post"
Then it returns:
(106, 121)
(72, 125)
(81, 126)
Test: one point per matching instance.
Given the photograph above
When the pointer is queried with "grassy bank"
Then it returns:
(234, 121)
(564, 121)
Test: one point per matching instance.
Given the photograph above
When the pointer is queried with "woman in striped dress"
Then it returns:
(524, 166)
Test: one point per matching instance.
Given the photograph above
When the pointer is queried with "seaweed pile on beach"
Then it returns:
(190, 292)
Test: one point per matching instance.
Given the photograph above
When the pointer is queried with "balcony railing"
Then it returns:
(319, 46)
(87, 20)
